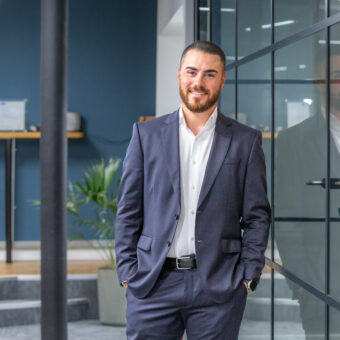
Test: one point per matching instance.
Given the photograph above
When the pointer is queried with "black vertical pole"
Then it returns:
(236, 58)
(327, 226)
(196, 20)
(53, 161)
(10, 192)
(272, 167)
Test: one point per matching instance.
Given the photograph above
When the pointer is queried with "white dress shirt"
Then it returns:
(194, 153)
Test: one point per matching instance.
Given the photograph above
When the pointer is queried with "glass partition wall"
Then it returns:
(283, 78)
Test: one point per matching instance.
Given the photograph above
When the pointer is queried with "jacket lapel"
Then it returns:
(170, 146)
(218, 152)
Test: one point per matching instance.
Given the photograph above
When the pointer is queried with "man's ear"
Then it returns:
(178, 75)
(224, 77)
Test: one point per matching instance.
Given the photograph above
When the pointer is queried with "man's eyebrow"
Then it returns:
(206, 71)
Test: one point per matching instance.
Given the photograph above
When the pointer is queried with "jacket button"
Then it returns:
(198, 211)
(176, 217)
(169, 244)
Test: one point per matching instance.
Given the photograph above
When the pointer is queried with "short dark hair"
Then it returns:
(206, 47)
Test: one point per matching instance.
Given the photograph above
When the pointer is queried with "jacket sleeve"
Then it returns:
(129, 219)
(256, 212)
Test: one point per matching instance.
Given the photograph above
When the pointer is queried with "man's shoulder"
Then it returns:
(237, 126)
(157, 122)
(307, 127)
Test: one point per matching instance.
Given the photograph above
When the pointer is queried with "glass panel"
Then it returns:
(227, 29)
(300, 166)
(256, 319)
(254, 101)
(292, 16)
(334, 6)
(335, 162)
(204, 19)
(253, 30)
(334, 324)
(298, 314)
(227, 99)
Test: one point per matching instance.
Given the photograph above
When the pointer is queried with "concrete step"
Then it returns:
(24, 292)
(8, 287)
(24, 312)
(281, 287)
(259, 309)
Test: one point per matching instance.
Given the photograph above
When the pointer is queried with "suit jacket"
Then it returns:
(233, 197)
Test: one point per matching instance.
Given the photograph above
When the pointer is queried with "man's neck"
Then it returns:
(195, 121)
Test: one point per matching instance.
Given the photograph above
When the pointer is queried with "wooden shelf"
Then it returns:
(35, 135)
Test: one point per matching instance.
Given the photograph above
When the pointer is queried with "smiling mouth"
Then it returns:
(195, 93)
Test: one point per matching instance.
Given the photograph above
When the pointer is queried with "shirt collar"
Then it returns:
(211, 122)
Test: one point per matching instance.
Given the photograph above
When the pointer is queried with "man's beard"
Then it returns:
(197, 106)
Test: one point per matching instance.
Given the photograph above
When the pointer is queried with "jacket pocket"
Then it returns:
(144, 242)
(231, 246)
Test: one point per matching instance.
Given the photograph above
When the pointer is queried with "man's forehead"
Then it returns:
(197, 58)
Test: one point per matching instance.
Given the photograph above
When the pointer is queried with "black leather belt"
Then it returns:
(180, 263)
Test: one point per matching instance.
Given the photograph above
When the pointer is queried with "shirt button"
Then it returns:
(193, 187)
(194, 162)
(192, 212)
(192, 239)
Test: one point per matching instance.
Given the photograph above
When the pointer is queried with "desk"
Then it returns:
(10, 138)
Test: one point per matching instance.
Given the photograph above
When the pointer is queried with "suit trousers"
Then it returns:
(178, 302)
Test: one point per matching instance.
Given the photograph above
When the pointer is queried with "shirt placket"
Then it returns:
(193, 189)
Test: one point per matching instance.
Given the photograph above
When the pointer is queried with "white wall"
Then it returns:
(175, 30)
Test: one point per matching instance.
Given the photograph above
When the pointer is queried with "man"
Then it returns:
(300, 202)
(192, 180)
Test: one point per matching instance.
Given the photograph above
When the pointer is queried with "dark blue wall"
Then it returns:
(112, 62)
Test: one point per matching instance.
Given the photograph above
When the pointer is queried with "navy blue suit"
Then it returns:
(233, 198)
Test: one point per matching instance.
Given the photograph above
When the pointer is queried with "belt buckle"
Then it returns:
(180, 258)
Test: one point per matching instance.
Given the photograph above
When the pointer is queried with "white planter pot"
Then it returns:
(111, 298)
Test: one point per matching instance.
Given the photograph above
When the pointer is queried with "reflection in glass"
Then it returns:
(256, 319)
(253, 26)
(297, 316)
(292, 16)
(300, 167)
(301, 159)
(335, 163)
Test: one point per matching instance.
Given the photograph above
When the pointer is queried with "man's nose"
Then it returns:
(199, 80)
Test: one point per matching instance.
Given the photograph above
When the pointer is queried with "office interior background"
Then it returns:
(283, 73)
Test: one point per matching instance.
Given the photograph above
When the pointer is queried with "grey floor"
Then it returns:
(92, 329)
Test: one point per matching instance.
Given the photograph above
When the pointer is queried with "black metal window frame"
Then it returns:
(325, 24)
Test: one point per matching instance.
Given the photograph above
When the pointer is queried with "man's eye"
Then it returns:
(211, 75)
(191, 73)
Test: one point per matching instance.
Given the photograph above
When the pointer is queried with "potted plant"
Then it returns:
(97, 190)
